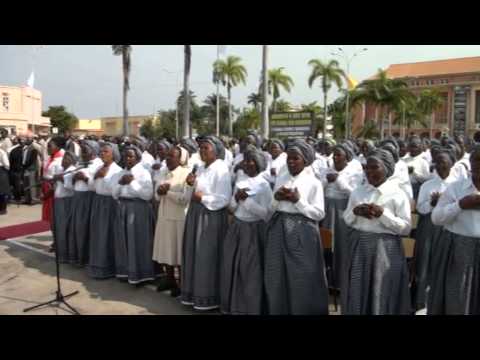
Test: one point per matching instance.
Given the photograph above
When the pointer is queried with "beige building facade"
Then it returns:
(21, 110)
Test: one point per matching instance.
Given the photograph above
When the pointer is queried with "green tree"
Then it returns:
(209, 110)
(283, 106)
(277, 80)
(255, 100)
(430, 100)
(230, 73)
(60, 118)
(409, 111)
(369, 130)
(329, 73)
(387, 95)
(124, 51)
(249, 119)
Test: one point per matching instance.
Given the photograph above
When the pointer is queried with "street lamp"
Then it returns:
(177, 73)
(348, 60)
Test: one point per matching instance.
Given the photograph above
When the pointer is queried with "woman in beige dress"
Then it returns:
(170, 191)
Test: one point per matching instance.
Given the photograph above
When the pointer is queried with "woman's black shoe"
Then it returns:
(175, 292)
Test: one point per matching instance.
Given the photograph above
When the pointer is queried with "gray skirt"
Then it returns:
(333, 221)
(440, 250)
(61, 220)
(377, 276)
(242, 268)
(101, 263)
(462, 285)
(295, 280)
(203, 237)
(426, 234)
(79, 229)
(134, 228)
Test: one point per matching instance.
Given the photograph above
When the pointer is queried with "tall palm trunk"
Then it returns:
(274, 105)
(325, 114)
(125, 93)
(230, 122)
(390, 124)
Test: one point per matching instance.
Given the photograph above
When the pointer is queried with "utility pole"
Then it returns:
(265, 120)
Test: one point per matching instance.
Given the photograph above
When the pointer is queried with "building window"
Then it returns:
(5, 101)
(477, 107)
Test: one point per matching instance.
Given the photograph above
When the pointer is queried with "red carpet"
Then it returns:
(10, 232)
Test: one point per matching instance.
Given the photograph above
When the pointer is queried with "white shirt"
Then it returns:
(311, 203)
(437, 184)
(280, 166)
(141, 186)
(4, 162)
(403, 178)
(104, 186)
(348, 179)
(64, 189)
(228, 158)
(427, 155)
(156, 173)
(319, 166)
(256, 206)
(5, 144)
(396, 217)
(89, 172)
(215, 183)
(421, 168)
(449, 214)
(147, 160)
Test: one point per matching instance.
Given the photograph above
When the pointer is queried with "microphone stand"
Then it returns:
(59, 297)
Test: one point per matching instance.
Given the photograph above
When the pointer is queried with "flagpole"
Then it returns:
(218, 95)
(265, 124)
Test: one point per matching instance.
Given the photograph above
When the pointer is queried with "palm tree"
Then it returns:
(230, 72)
(430, 100)
(409, 111)
(369, 130)
(317, 111)
(277, 79)
(124, 51)
(387, 94)
(254, 99)
(283, 106)
(330, 73)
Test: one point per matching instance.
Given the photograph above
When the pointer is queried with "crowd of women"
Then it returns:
(238, 227)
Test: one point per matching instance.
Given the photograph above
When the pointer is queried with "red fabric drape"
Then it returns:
(48, 191)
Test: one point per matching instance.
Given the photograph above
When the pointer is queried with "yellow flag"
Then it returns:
(352, 83)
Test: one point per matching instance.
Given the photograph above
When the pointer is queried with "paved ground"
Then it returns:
(27, 278)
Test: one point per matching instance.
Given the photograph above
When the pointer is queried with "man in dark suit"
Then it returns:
(16, 169)
(30, 172)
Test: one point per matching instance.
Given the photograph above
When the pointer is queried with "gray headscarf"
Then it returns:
(258, 157)
(279, 143)
(304, 149)
(385, 158)
(415, 141)
(72, 156)
(166, 144)
(392, 149)
(217, 145)
(93, 145)
(190, 145)
(449, 151)
(138, 152)
(346, 149)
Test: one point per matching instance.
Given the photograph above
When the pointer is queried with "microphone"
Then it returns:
(195, 168)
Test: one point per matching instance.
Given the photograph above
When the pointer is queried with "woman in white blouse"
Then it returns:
(63, 204)
(4, 181)
(338, 182)
(170, 192)
(295, 281)
(458, 212)
(242, 274)
(376, 281)
(101, 264)
(79, 228)
(134, 221)
(205, 227)
(428, 245)
(418, 167)
(278, 164)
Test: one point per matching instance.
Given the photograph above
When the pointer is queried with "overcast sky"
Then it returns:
(88, 79)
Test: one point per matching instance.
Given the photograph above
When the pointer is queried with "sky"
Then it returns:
(87, 79)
